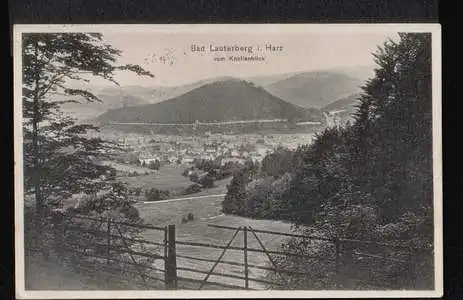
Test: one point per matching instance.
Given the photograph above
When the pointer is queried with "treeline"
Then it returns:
(204, 172)
(257, 189)
(214, 167)
(371, 180)
(152, 194)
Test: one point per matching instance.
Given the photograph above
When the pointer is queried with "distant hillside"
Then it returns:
(348, 103)
(315, 89)
(89, 110)
(228, 100)
(361, 72)
(266, 80)
(304, 89)
(114, 97)
(161, 93)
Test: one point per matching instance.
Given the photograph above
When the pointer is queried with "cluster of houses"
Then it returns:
(224, 152)
(172, 149)
(218, 148)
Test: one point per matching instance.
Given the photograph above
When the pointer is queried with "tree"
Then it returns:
(157, 164)
(194, 177)
(234, 201)
(194, 188)
(154, 165)
(277, 163)
(207, 181)
(373, 180)
(59, 159)
(154, 194)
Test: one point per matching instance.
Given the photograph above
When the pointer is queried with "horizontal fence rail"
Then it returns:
(112, 248)
(118, 247)
(337, 259)
(101, 219)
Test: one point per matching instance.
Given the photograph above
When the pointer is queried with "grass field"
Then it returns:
(199, 232)
(128, 167)
(208, 211)
(169, 177)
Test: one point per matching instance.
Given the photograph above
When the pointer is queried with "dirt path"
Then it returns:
(180, 199)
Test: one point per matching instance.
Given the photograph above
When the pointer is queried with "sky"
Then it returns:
(294, 52)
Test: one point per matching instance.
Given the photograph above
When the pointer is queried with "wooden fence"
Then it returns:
(103, 247)
(114, 247)
(342, 260)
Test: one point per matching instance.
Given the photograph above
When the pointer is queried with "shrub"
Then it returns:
(191, 217)
(194, 188)
(194, 177)
(207, 181)
(155, 195)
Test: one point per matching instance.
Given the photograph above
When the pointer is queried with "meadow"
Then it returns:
(169, 177)
(208, 211)
(128, 168)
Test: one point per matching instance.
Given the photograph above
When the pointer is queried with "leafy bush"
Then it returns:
(154, 165)
(194, 188)
(207, 181)
(277, 163)
(155, 194)
(194, 177)
(187, 171)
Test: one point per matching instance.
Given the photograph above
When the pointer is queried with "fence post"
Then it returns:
(63, 237)
(166, 258)
(246, 257)
(172, 258)
(59, 235)
(108, 250)
(337, 255)
(411, 267)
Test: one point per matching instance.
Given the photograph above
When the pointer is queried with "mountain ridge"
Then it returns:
(226, 100)
(315, 89)
(305, 87)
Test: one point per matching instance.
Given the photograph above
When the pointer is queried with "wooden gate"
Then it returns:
(103, 245)
(337, 260)
(245, 248)
(105, 248)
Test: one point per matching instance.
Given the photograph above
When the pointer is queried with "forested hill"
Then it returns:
(315, 89)
(349, 103)
(228, 100)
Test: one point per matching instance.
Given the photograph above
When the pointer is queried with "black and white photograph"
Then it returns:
(275, 161)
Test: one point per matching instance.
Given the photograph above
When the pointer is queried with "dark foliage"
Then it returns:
(194, 188)
(60, 159)
(371, 180)
(155, 194)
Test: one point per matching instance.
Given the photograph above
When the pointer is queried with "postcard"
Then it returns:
(228, 161)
